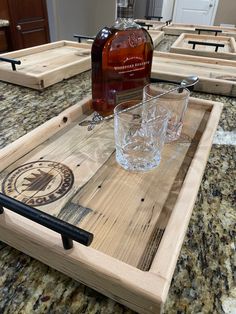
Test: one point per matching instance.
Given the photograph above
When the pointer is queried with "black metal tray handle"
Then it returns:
(216, 31)
(202, 43)
(144, 24)
(12, 61)
(153, 17)
(80, 37)
(68, 232)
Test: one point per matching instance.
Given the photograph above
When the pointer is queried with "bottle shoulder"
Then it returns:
(125, 23)
(113, 40)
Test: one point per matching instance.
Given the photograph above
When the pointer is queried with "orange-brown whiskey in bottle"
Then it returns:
(121, 61)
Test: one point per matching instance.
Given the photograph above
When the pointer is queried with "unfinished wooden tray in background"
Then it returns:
(157, 25)
(45, 65)
(178, 29)
(216, 76)
(139, 220)
(228, 52)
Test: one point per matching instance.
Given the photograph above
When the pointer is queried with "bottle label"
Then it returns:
(135, 93)
(131, 66)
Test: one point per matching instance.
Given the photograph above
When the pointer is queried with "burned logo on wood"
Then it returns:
(38, 183)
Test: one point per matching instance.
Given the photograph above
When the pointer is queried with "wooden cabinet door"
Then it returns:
(29, 23)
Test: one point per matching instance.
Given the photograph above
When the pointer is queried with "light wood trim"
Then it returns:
(17, 149)
(206, 84)
(141, 291)
(179, 28)
(28, 51)
(85, 63)
(51, 77)
(233, 43)
(178, 40)
(208, 60)
(144, 292)
(157, 36)
(178, 222)
(21, 78)
(176, 47)
(41, 81)
(46, 78)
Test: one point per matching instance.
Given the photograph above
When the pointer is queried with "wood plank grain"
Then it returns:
(127, 210)
(157, 37)
(73, 147)
(179, 28)
(216, 75)
(46, 65)
(124, 209)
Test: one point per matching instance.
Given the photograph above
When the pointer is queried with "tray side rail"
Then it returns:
(170, 245)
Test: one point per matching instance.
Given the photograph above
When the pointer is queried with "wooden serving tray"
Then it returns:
(182, 45)
(216, 76)
(45, 65)
(138, 220)
(157, 25)
(178, 29)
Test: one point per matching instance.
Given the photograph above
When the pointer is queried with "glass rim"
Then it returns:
(165, 113)
(166, 91)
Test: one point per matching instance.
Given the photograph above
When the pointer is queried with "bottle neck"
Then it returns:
(125, 13)
(125, 9)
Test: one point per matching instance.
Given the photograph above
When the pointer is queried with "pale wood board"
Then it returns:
(182, 46)
(217, 76)
(126, 211)
(157, 25)
(179, 28)
(45, 65)
(157, 37)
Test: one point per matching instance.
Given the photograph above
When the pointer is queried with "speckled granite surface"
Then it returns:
(204, 278)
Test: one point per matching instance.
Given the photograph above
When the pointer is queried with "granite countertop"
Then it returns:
(204, 278)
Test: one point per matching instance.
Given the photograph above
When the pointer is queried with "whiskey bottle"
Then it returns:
(121, 61)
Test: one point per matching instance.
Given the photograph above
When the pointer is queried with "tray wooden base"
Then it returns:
(182, 45)
(139, 220)
(216, 76)
(179, 28)
(45, 65)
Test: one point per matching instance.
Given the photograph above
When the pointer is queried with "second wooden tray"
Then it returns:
(138, 220)
(45, 65)
(206, 46)
(216, 76)
(178, 29)
(154, 24)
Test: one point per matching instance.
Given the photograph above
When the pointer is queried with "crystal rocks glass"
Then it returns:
(139, 136)
(175, 101)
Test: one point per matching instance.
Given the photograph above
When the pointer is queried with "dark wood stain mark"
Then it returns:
(149, 253)
(65, 119)
(74, 213)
